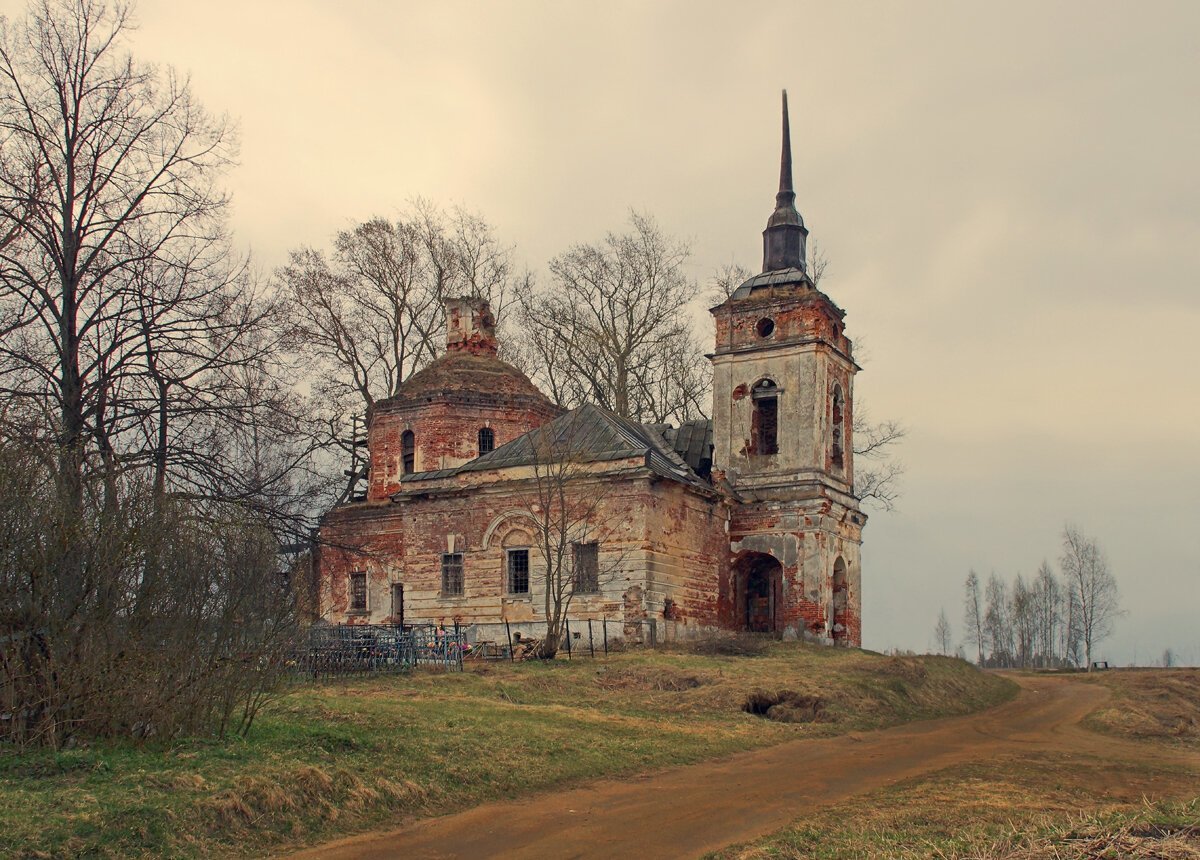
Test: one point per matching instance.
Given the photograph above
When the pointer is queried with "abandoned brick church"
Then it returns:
(747, 521)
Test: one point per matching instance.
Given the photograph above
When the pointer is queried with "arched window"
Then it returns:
(837, 446)
(487, 440)
(408, 452)
(765, 423)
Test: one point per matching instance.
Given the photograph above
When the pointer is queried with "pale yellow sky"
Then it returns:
(1008, 194)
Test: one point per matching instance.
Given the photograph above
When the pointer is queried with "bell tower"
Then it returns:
(783, 380)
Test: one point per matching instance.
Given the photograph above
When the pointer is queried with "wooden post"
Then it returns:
(591, 644)
(508, 633)
(605, 622)
(568, 623)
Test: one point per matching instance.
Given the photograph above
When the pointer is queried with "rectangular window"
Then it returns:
(587, 567)
(518, 571)
(358, 592)
(452, 574)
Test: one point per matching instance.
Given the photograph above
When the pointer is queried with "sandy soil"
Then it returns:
(689, 811)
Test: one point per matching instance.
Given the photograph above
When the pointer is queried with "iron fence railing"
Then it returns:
(330, 650)
(348, 649)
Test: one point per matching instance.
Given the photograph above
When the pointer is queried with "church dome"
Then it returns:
(458, 375)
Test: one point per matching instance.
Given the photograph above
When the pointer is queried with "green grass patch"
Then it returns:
(333, 758)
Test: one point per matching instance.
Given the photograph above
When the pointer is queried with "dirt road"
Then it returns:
(688, 811)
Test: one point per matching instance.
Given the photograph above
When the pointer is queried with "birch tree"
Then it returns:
(1094, 588)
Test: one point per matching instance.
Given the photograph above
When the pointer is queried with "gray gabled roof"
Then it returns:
(586, 434)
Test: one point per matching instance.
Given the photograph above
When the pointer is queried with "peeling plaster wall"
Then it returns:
(661, 545)
(807, 540)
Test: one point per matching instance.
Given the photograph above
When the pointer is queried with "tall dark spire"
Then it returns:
(787, 195)
(784, 238)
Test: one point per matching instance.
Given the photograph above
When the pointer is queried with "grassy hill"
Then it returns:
(328, 759)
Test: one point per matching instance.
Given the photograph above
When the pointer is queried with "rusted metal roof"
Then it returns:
(591, 434)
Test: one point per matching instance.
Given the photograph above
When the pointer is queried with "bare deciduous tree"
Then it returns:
(973, 616)
(997, 628)
(1048, 600)
(1023, 618)
(611, 327)
(563, 503)
(105, 164)
(147, 428)
(942, 634)
(1094, 588)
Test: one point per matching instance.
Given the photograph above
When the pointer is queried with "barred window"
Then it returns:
(487, 440)
(452, 574)
(518, 571)
(358, 591)
(587, 567)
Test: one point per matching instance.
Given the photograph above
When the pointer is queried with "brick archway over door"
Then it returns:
(759, 583)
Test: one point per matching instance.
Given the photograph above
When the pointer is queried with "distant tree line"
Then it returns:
(1052, 620)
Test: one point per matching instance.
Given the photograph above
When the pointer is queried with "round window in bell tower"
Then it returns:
(765, 326)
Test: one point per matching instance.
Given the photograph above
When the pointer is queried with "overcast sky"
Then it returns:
(1008, 195)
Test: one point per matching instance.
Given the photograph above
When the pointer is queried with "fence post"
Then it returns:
(591, 643)
(458, 644)
(508, 633)
(568, 623)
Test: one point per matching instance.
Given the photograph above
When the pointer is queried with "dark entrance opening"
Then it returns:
(760, 592)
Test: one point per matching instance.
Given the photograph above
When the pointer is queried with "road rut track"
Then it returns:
(688, 811)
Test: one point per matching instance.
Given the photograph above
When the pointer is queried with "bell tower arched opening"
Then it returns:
(765, 421)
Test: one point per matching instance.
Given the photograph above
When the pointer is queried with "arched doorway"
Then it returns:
(760, 592)
(841, 599)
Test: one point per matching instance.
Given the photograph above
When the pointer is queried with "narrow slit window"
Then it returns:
(837, 447)
(452, 574)
(766, 417)
(408, 452)
(518, 571)
(487, 440)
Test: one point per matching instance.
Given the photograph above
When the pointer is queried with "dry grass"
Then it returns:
(1033, 806)
(1090, 837)
(1151, 704)
(330, 759)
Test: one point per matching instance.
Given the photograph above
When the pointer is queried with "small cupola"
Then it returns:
(470, 326)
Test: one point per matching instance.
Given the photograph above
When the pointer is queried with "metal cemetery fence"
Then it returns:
(348, 649)
(333, 650)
